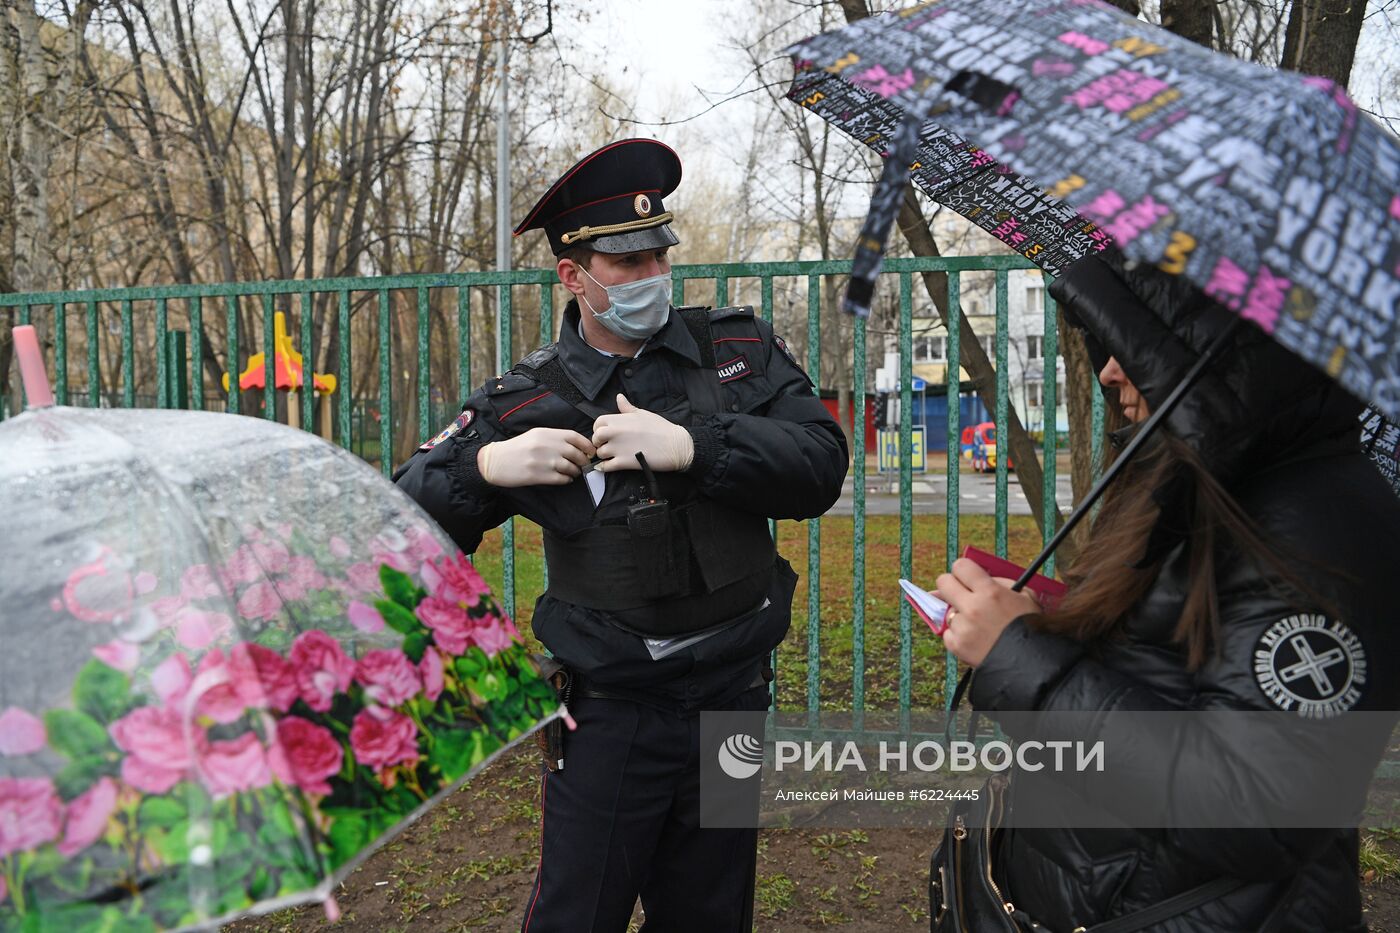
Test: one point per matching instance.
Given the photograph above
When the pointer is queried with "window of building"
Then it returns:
(1035, 299)
(1034, 397)
(932, 348)
(1035, 347)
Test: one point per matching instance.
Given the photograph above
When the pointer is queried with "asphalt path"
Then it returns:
(976, 494)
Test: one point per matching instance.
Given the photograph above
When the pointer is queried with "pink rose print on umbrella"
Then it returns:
(422, 546)
(273, 674)
(381, 738)
(270, 553)
(455, 580)
(322, 668)
(242, 567)
(21, 733)
(388, 676)
(233, 766)
(302, 576)
(196, 629)
(260, 601)
(199, 582)
(171, 679)
(431, 669)
(166, 607)
(31, 814)
(304, 755)
(158, 752)
(227, 686)
(88, 816)
(365, 618)
(119, 655)
(392, 548)
(362, 579)
(493, 634)
(449, 622)
(95, 593)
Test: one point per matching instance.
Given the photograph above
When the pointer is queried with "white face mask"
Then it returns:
(636, 310)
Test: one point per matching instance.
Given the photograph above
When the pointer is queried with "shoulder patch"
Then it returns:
(464, 419)
(781, 344)
(1311, 665)
(736, 368)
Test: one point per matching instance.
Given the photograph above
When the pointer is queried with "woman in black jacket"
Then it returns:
(1253, 520)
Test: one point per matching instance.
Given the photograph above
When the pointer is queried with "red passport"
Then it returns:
(1049, 591)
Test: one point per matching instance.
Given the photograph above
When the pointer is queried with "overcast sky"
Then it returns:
(660, 51)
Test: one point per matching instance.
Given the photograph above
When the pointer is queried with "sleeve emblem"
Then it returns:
(782, 345)
(1311, 665)
(464, 419)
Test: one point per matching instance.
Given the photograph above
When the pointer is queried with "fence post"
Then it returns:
(177, 389)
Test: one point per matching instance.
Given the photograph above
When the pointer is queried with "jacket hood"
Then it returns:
(1257, 403)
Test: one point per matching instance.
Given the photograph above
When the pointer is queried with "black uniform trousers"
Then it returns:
(622, 820)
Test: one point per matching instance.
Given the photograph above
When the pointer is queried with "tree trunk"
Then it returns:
(9, 105)
(1190, 19)
(1321, 37)
(1023, 452)
(973, 358)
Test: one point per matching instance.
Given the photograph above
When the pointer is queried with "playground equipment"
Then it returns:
(289, 377)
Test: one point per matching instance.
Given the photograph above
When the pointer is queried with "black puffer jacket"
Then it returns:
(1285, 443)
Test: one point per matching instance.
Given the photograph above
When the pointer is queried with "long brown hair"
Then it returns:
(1114, 571)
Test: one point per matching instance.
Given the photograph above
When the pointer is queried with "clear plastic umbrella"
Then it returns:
(233, 660)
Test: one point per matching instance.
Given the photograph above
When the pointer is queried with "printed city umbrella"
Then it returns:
(235, 660)
(951, 170)
(1268, 189)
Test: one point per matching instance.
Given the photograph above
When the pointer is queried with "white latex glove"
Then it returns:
(668, 447)
(539, 457)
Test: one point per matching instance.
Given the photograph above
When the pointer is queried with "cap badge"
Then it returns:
(642, 203)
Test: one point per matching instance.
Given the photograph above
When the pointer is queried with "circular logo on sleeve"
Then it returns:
(1310, 664)
(643, 205)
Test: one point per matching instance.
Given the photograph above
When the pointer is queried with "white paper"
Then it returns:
(661, 647)
(930, 605)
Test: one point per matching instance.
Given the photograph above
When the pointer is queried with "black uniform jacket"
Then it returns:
(1285, 442)
(774, 451)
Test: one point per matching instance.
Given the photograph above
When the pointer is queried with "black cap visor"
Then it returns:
(634, 241)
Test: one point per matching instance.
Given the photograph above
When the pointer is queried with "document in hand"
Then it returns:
(1048, 591)
(929, 607)
(934, 610)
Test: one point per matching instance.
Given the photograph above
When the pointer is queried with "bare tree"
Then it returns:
(39, 86)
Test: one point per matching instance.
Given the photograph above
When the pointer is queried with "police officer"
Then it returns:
(651, 444)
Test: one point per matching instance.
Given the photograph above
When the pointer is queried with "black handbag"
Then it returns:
(964, 896)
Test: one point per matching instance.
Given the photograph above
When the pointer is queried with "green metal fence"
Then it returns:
(180, 382)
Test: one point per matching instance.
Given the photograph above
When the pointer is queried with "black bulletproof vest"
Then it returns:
(706, 565)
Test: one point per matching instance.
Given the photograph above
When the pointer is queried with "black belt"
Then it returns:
(581, 686)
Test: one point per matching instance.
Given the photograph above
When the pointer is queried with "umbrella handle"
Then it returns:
(31, 367)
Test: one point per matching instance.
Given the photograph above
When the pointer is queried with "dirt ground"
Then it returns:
(469, 865)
